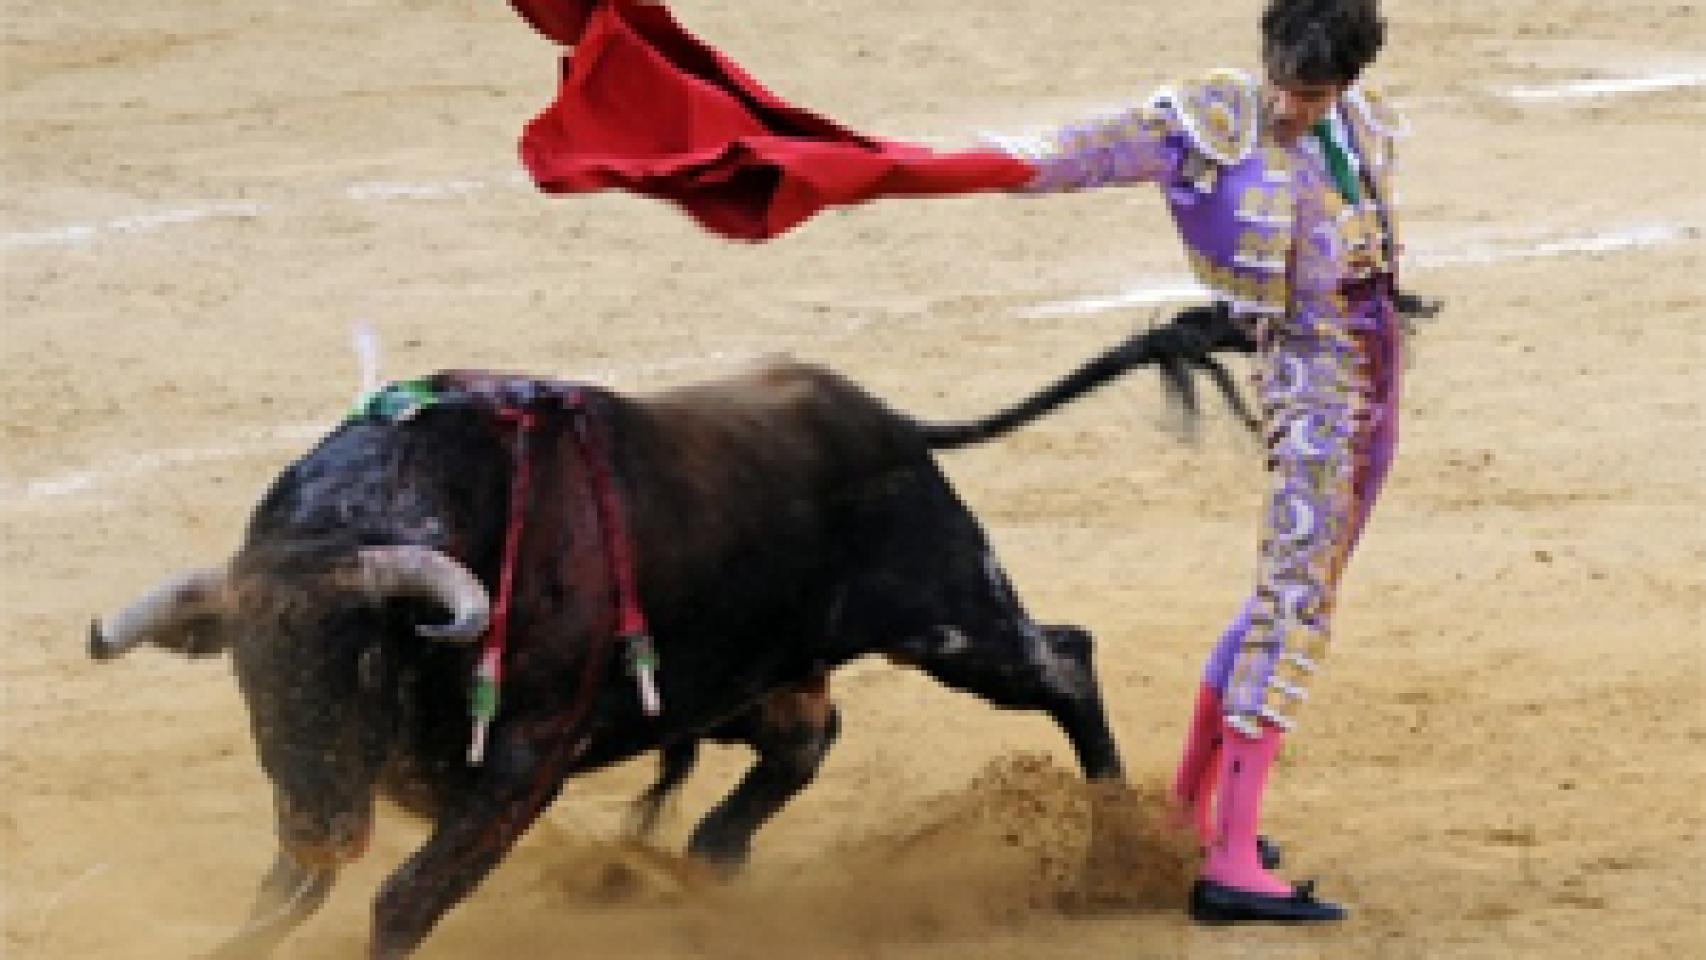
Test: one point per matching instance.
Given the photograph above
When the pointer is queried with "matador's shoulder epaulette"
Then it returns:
(1376, 112)
(1219, 112)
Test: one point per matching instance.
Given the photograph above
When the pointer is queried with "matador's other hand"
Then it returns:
(1414, 306)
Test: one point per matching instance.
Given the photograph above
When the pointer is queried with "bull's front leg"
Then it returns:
(790, 730)
(473, 832)
(289, 894)
(676, 762)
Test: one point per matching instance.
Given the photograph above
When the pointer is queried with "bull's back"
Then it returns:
(798, 427)
(745, 492)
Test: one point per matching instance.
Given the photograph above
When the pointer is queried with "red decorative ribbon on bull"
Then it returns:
(488, 671)
(631, 627)
(399, 401)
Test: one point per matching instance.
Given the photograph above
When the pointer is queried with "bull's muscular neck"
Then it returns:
(428, 481)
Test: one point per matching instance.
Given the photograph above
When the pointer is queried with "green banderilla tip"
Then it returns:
(483, 698)
(642, 653)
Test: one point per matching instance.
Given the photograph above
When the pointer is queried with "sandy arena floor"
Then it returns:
(198, 199)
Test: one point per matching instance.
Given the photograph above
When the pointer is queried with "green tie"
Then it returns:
(1338, 164)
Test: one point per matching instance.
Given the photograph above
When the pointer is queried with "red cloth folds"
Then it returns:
(645, 106)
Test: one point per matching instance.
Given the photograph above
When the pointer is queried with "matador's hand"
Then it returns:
(1414, 306)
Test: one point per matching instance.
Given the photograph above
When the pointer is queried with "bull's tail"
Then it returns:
(1176, 348)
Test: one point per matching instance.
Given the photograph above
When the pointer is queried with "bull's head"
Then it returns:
(310, 657)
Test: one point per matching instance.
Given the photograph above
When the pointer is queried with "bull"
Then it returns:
(782, 522)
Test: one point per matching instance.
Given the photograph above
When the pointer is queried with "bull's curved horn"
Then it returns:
(162, 616)
(424, 572)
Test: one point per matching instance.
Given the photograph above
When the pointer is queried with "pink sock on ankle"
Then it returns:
(1232, 858)
(1199, 767)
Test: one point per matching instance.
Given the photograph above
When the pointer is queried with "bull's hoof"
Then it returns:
(1215, 904)
(723, 858)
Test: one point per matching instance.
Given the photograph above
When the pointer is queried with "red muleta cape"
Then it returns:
(646, 107)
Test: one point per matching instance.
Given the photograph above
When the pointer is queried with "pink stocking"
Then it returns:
(1199, 767)
(1232, 857)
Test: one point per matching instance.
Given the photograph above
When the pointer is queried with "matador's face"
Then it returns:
(1294, 107)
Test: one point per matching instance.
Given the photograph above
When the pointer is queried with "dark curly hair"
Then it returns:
(1320, 41)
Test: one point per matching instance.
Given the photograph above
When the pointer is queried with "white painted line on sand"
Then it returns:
(365, 192)
(1146, 294)
(414, 191)
(1176, 289)
(1609, 241)
(79, 233)
(1607, 87)
(73, 482)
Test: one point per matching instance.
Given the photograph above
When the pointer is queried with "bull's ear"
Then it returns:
(184, 614)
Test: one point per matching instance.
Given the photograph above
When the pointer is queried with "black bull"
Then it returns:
(783, 523)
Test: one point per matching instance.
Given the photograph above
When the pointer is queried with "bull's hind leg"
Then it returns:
(289, 894)
(933, 594)
(1074, 698)
(791, 730)
(1017, 665)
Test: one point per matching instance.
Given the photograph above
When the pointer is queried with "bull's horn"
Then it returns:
(425, 572)
(163, 616)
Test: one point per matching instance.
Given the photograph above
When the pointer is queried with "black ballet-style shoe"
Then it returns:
(1268, 853)
(1215, 904)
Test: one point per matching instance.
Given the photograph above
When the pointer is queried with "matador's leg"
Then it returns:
(1320, 408)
